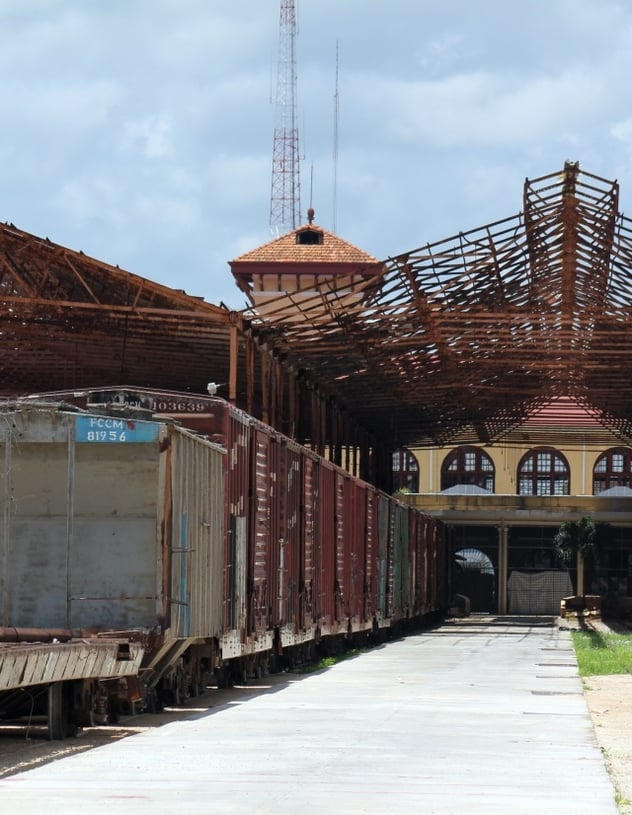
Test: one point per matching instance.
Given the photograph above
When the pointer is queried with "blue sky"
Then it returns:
(140, 131)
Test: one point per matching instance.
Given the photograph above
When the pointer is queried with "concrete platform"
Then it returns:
(482, 716)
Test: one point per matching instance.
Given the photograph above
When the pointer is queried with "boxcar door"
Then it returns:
(277, 541)
(259, 556)
(238, 573)
(370, 570)
(383, 530)
(307, 574)
(343, 535)
(401, 574)
(237, 439)
(327, 542)
(357, 543)
(292, 585)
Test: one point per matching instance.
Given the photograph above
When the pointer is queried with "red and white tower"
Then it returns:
(285, 199)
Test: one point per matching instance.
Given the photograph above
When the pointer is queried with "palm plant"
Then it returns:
(573, 537)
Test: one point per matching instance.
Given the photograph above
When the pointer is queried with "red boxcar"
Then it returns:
(310, 551)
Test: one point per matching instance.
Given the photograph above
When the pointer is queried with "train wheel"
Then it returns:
(61, 723)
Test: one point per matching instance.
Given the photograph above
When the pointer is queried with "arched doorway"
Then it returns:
(474, 567)
(475, 578)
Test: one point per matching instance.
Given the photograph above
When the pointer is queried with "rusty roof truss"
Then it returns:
(460, 339)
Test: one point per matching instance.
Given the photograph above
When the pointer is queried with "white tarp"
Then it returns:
(538, 592)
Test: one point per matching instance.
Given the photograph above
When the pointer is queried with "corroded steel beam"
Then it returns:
(473, 330)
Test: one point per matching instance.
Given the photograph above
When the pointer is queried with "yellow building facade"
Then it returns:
(504, 503)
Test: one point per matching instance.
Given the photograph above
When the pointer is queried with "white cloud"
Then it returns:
(622, 131)
(487, 110)
(151, 134)
(237, 180)
(95, 198)
(141, 130)
(72, 106)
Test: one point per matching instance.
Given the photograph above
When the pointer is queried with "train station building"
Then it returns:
(496, 361)
(486, 376)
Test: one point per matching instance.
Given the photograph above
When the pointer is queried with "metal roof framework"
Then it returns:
(71, 323)
(460, 340)
(68, 320)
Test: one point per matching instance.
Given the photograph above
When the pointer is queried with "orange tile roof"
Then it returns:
(562, 411)
(286, 250)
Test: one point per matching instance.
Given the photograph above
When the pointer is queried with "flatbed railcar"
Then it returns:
(296, 553)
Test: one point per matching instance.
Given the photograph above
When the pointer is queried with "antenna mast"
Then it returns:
(335, 155)
(285, 198)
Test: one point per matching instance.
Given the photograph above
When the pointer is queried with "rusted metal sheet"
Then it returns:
(10, 634)
(401, 562)
(427, 571)
(109, 525)
(251, 544)
(261, 518)
(71, 521)
(277, 520)
(434, 568)
(232, 429)
(197, 537)
(370, 562)
(418, 526)
(293, 548)
(383, 557)
(307, 565)
(343, 514)
(326, 543)
(27, 664)
(358, 548)
(346, 555)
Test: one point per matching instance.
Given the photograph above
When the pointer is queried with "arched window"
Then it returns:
(468, 465)
(613, 469)
(543, 471)
(405, 471)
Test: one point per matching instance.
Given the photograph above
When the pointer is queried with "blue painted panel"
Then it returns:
(113, 430)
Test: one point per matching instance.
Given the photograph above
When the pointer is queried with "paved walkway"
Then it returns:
(475, 717)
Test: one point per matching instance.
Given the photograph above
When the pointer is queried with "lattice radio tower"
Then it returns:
(285, 198)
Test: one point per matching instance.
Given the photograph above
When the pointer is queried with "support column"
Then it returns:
(265, 387)
(323, 410)
(503, 567)
(292, 405)
(234, 364)
(579, 591)
(250, 375)
(314, 430)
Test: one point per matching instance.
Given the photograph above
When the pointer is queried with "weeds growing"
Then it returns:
(601, 654)
(327, 662)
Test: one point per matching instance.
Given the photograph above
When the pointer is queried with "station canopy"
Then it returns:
(68, 320)
(464, 339)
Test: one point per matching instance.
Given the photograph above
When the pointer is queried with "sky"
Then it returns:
(141, 131)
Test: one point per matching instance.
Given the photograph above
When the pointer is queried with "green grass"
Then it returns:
(601, 654)
(327, 662)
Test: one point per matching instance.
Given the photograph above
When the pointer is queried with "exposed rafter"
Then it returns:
(67, 319)
(456, 341)
(461, 338)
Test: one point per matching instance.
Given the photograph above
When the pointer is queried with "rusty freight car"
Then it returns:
(112, 531)
(310, 554)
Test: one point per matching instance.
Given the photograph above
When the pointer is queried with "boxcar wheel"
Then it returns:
(61, 723)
